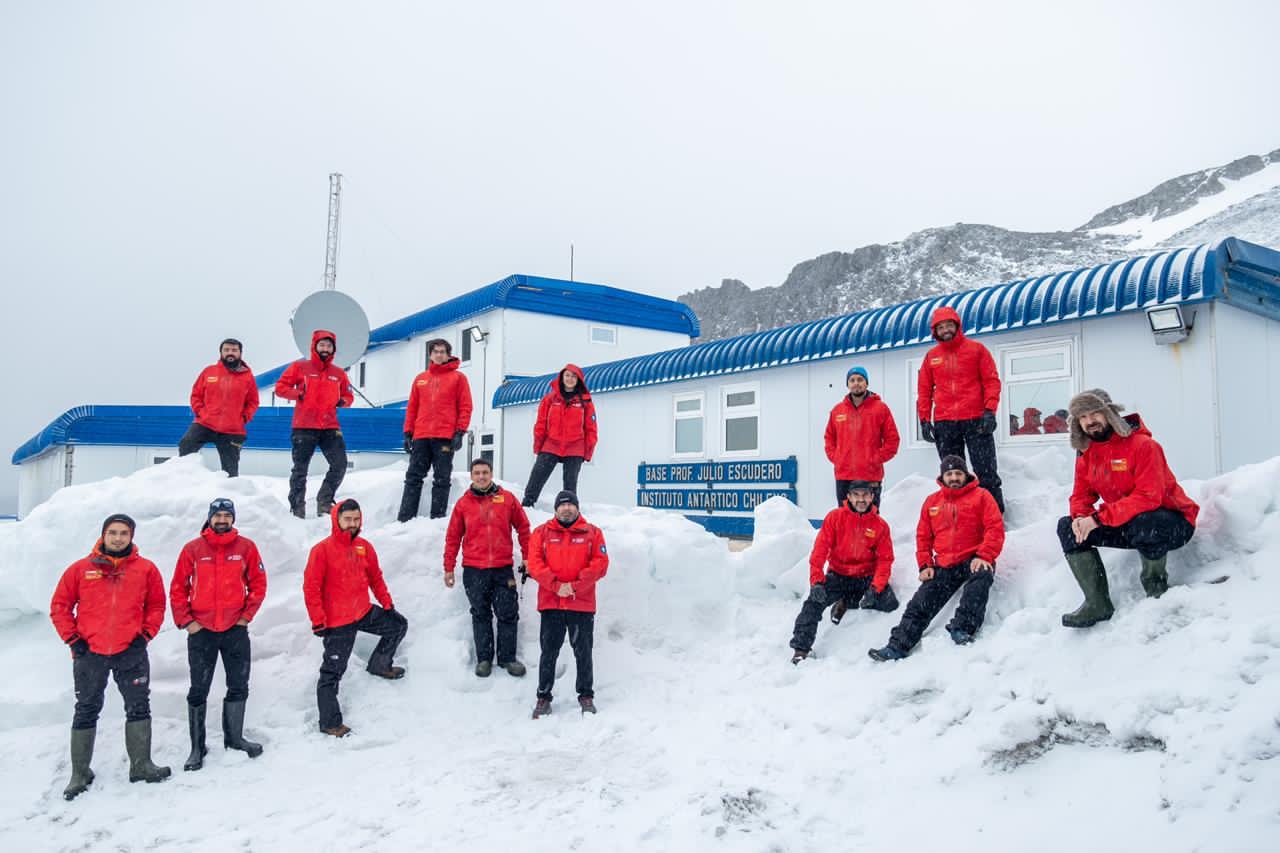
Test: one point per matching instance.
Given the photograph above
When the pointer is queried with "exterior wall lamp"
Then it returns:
(1169, 325)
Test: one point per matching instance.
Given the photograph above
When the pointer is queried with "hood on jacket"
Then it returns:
(334, 530)
(316, 337)
(1031, 416)
(946, 312)
(577, 371)
(452, 364)
(1097, 400)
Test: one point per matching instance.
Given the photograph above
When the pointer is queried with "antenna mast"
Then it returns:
(331, 243)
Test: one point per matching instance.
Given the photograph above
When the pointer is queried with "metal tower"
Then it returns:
(331, 243)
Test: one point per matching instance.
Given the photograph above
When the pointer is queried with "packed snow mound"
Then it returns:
(1157, 730)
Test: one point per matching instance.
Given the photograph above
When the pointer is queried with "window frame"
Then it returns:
(464, 347)
(914, 441)
(1070, 372)
(728, 413)
(677, 415)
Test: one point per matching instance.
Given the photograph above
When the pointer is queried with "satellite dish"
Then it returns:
(338, 313)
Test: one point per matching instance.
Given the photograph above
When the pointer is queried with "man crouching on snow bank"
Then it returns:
(341, 570)
(107, 607)
(567, 555)
(958, 538)
(1143, 507)
(855, 542)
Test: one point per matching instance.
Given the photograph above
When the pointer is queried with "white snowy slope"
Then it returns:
(1157, 731)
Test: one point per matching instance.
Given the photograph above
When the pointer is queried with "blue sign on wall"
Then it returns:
(701, 473)
(710, 500)
(715, 487)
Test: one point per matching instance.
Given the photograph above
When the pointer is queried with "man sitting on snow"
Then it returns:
(958, 538)
(1143, 507)
(855, 542)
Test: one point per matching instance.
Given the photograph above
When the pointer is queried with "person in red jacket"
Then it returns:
(958, 393)
(1056, 423)
(435, 420)
(1030, 423)
(224, 399)
(320, 387)
(567, 557)
(564, 432)
(107, 607)
(217, 587)
(861, 436)
(341, 571)
(481, 526)
(958, 538)
(1143, 507)
(855, 543)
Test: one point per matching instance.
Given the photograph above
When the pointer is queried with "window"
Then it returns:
(740, 405)
(913, 387)
(486, 447)
(464, 345)
(604, 335)
(158, 460)
(360, 381)
(686, 409)
(1039, 381)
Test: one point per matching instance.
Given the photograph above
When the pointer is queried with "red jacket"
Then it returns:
(318, 386)
(439, 402)
(107, 601)
(575, 555)
(1130, 475)
(958, 379)
(481, 525)
(855, 544)
(219, 579)
(1056, 424)
(341, 570)
(860, 439)
(566, 424)
(957, 525)
(224, 400)
(1030, 423)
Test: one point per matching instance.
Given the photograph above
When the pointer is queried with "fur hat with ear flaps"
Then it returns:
(1095, 400)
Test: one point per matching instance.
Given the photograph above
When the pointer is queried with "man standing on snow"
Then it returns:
(435, 421)
(958, 537)
(564, 432)
(224, 398)
(341, 571)
(1143, 507)
(567, 556)
(861, 437)
(107, 607)
(958, 393)
(481, 525)
(217, 587)
(856, 544)
(320, 387)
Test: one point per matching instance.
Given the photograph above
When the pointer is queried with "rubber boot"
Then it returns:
(137, 742)
(195, 723)
(81, 756)
(1092, 576)
(233, 729)
(1155, 578)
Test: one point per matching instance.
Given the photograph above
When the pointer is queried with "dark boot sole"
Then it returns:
(1086, 624)
(149, 779)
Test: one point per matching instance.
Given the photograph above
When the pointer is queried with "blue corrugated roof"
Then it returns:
(377, 430)
(575, 299)
(1241, 273)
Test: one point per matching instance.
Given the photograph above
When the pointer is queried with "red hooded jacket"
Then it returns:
(1130, 475)
(218, 580)
(957, 525)
(481, 526)
(566, 424)
(958, 379)
(575, 555)
(341, 570)
(1055, 424)
(107, 601)
(855, 544)
(1030, 423)
(860, 439)
(318, 386)
(439, 402)
(224, 400)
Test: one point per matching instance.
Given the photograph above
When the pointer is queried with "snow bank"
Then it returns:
(1158, 730)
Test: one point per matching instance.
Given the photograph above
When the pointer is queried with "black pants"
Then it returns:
(952, 439)
(198, 435)
(934, 594)
(837, 587)
(842, 491)
(542, 468)
(434, 455)
(334, 448)
(132, 671)
(389, 625)
(492, 593)
(203, 648)
(581, 629)
(1152, 534)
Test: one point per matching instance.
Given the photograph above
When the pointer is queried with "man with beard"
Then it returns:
(861, 437)
(565, 432)
(1143, 507)
(435, 421)
(224, 399)
(320, 387)
(217, 588)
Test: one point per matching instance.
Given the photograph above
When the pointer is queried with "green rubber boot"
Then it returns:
(1092, 576)
(137, 742)
(1155, 579)
(81, 756)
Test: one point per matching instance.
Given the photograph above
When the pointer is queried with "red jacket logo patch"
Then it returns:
(841, 418)
(1119, 464)
(92, 575)
(936, 361)
(211, 379)
(499, 499)
(869, 533)
(933, 510)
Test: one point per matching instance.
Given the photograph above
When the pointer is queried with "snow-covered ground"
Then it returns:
(1157, 731)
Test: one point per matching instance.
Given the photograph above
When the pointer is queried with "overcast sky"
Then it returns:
(165, 163)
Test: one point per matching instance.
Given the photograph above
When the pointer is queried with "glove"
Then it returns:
(138, 642)
(457, 440)
(988, 424)
(818, 592)
(341, 402)
(868, 601)
(319, 630)
(926, 431)
(524, 573)
(79, 647)
(408, 442)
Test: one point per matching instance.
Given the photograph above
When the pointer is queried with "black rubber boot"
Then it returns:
(195, 723)
(137, 742)
(1155, 577)
(233, 730)
(1092, 576)
(81, 756)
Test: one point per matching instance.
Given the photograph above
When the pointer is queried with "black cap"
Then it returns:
(348, 505)
(222, 505)
(122, 518)
(953, 463)
(860, 485)
(566, 497)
